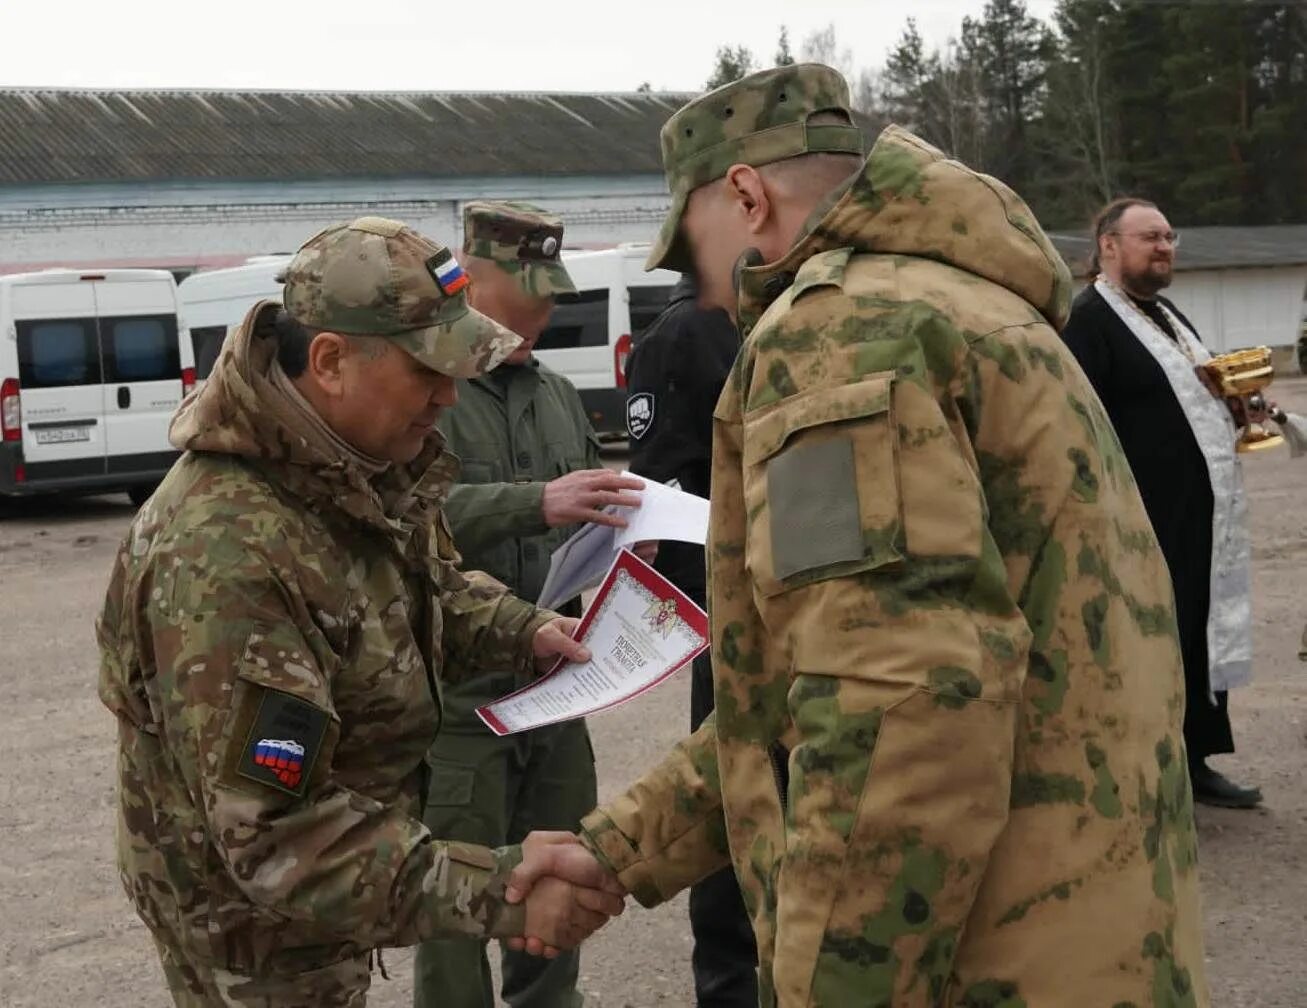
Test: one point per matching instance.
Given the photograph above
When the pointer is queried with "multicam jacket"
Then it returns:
(272, 644)
(947, 756)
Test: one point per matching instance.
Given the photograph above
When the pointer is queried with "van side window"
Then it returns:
(646, 303)
(207, 342)
(578, 320)
(54, 353)
(140, 349)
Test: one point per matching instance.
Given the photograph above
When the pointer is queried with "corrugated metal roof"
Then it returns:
(1209, 247)
(49, 136)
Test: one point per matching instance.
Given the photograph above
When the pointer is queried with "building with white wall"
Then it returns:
(189, 179)
(1239, 286)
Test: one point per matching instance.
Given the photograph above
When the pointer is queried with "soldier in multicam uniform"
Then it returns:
(278, 622)
(946, 759)
(530, 473)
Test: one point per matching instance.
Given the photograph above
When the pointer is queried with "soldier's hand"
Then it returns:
(554, 640)
(581, 497)
(568, 893)
(1208, 381)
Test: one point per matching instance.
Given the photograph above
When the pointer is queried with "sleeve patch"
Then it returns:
(283, 743)
(639, 414)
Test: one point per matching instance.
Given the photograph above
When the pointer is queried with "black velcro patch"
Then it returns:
(283, 743)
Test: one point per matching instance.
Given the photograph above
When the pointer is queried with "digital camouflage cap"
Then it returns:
(522, 240)
(756, 120)
(377, 277)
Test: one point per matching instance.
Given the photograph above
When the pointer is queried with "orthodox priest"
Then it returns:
(1142, 356)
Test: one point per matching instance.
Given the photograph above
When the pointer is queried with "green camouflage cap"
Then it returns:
(756, 120)
(522, 240)
(376, 277)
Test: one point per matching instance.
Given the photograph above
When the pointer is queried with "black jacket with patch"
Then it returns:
(674, 376)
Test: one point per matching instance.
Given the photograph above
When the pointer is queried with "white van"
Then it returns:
(212, 301)
(588, 337)
(92, 366)
(590, 333)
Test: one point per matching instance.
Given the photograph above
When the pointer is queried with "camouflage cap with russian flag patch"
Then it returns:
(765, 117)
(522, 240)
(377, 277)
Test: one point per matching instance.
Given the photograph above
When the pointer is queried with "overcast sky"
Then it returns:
(429, 45)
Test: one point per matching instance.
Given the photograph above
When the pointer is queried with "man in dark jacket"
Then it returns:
(674, 377)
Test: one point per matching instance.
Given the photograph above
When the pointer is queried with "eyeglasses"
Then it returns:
(1152, 237)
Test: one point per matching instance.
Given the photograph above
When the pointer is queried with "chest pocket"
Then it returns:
(570, 455)
(863, 476)
(821, 486)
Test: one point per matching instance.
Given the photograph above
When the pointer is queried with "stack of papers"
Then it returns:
(665, 513)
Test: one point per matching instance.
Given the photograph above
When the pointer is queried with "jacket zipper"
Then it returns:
(780, 768)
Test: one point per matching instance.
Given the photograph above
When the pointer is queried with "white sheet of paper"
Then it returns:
(640, 629)
(664, 513)
(578, 565)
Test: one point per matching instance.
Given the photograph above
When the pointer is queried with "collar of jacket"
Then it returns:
(497, 388)
(240, 411)
(907, 199)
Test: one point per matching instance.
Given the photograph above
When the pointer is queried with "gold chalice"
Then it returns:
(1242, 374)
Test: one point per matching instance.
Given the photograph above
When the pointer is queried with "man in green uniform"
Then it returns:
(278, 623)
(530, 474)
(947, 759)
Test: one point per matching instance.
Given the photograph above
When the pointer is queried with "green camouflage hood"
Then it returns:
(239, 410)
(909, 199)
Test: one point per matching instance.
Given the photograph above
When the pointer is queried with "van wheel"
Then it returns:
(140, 493)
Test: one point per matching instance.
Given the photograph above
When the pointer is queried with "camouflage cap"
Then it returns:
(522, 240)
(756, 120)
(376, 277)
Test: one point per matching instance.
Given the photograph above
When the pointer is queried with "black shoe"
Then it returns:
(1213, 788)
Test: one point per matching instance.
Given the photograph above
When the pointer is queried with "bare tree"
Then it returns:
(821, 46)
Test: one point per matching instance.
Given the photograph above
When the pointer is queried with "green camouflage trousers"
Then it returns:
(495, 791)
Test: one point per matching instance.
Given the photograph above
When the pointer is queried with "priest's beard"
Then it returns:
(1146, 282)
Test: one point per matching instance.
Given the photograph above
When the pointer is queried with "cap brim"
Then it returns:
(669, 250)
(462, 345)
(545, 279)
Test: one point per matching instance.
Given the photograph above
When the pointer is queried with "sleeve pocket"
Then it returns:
(821, 485)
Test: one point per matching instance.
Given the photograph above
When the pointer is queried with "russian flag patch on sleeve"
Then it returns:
(447, 273)
(283, 742)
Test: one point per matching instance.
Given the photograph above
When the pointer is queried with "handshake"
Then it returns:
(569, 895)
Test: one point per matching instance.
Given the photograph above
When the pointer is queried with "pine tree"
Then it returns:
(783, 55)
(1013, 50)
(732, 64)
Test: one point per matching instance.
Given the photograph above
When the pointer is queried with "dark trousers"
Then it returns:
(725, 959)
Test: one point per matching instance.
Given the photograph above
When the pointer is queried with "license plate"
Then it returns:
(62, 435)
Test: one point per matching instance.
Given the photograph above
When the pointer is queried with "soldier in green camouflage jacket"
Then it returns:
(946, 760)
(277, 625)
(530, 473)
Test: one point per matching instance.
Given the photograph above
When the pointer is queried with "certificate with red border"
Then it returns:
(640, 629)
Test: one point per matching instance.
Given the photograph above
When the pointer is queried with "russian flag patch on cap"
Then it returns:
(447, 273)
